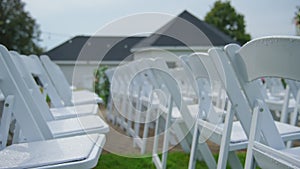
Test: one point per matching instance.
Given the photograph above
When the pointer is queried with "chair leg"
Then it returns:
(207, 156)
(167, 135)
(234, 160)
(294, 118)
(254, 133)
(145, 133)
(193, 153)
(6, 120)
(137, 120)
(225, 141)
(284, 111)
(181, 137)
(203, 150)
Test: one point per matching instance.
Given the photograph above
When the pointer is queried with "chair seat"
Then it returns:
(85, 97)
(193, 110)
(79, 125)
(294, 152)
(74, 111)
(80, 151)
(267, 157)
(238, 135)
(275, 104)
(285, 130)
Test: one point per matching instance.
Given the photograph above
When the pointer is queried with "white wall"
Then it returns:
(81, 76)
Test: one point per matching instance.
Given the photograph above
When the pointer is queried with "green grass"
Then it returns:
(175, 160)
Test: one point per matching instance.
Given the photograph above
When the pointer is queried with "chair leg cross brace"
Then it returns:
(5, 120)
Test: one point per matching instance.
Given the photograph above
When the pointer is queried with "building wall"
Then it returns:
(82, 75)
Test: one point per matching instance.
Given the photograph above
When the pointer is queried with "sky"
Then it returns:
(60, 20)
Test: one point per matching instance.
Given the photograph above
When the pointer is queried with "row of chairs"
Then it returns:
(148, 88)
(69, 134)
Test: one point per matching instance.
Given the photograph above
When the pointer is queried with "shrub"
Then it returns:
(101, 83)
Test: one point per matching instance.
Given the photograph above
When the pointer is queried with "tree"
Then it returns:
(225, 18)
(18, 30)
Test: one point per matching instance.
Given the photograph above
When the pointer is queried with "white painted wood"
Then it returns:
(68, 96)
(274, 57)
(6, 119)
(71, 152)
(33, 119)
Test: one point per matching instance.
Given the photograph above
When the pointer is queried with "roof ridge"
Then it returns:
(163, 36)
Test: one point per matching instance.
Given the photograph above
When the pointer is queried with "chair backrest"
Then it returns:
(205, 73)
(244, 101)
(265, 57)
(58, 79)
(180, 74)
(34, 66)
(186, 66)
(203, 70)
(160, 75)
(274, 57)
(27, 114)
(36, 95)
(144, 78)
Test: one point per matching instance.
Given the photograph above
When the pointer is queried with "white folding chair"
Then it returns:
(71, 152)
(148, 109)
(230, 135)
(157, 70)
(36, 116)
(283, 54)
(211, 124)
(238, 67)
(140, 96)
(62, 86)
(278, 99)
(32, 71)
(130, 96)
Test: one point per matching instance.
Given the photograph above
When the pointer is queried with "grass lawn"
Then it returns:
(175, 160)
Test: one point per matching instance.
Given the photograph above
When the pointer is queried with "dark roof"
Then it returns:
(95, 48)
(186, 30)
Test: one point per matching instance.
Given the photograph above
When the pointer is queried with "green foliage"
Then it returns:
(48, 100)
(297, 16)
(225, 18)
(101, 83)
(18, 30)
(297, 20)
